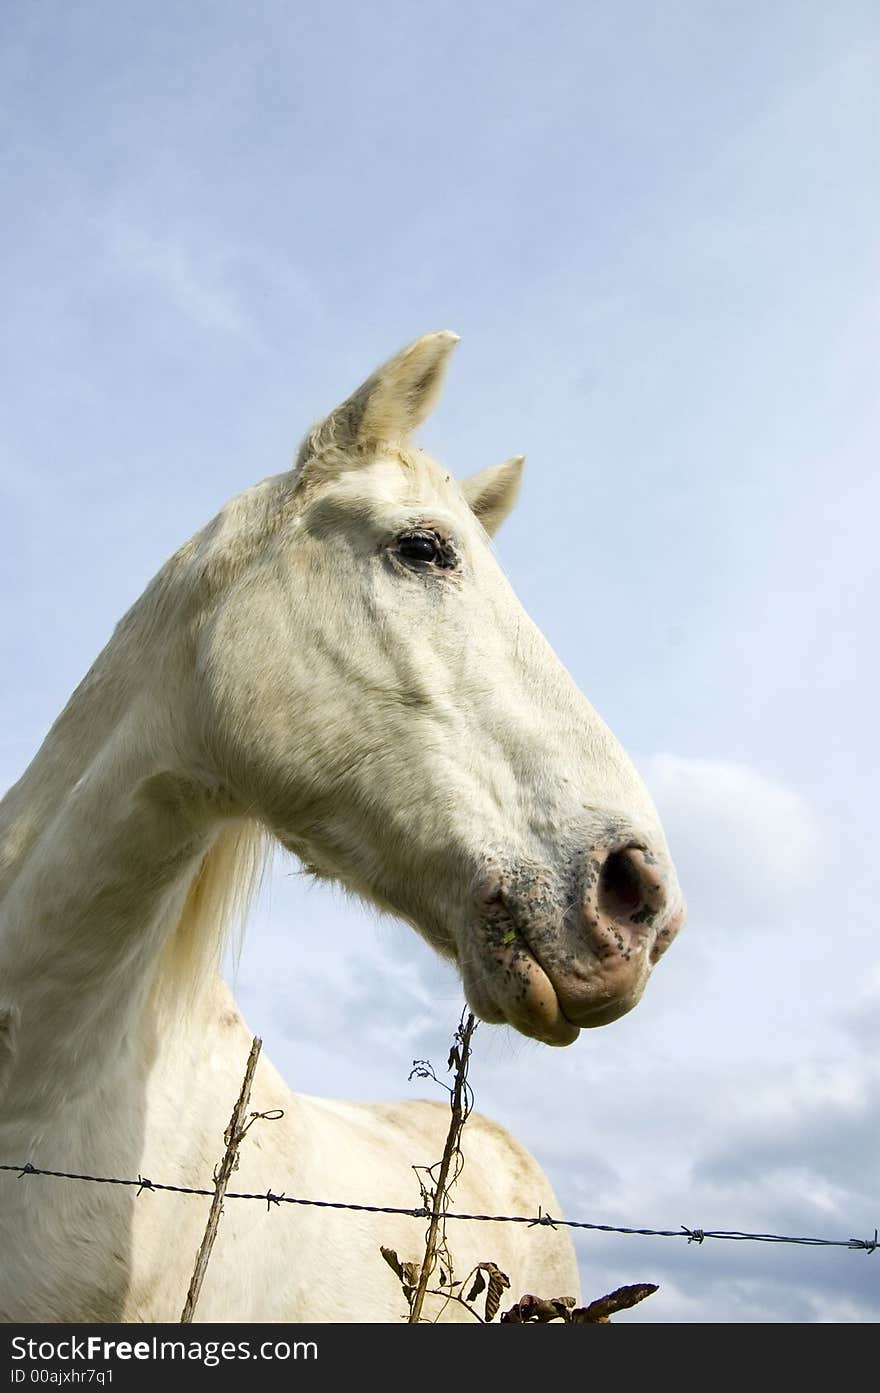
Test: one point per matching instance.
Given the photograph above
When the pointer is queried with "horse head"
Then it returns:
(368, 686)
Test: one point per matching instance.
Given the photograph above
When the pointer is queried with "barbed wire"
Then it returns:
(269, 1198)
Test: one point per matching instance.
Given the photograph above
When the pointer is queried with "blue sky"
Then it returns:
(656, 229)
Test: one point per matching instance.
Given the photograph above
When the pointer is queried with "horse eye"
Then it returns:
(419, 546)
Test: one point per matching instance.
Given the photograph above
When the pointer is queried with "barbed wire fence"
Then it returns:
(435, 1199)
(270, 1198)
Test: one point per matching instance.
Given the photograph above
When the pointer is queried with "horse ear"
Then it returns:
(391, 403)
(493, 492)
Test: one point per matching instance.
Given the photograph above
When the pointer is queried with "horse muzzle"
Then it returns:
(552, 959)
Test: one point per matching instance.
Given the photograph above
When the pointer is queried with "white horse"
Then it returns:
(335, 662)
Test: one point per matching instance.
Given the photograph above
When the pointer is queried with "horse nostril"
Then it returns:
(626, 884)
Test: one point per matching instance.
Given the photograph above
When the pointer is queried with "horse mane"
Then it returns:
(213, 915)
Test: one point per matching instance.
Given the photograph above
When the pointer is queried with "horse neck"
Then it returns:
(100, 843)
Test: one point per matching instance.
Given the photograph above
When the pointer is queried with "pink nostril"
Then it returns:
(629, 886)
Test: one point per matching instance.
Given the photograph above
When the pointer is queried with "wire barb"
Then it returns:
(864, 1245)
(546, 1219)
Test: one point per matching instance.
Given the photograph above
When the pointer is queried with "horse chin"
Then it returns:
(510, 986)
(513, 989)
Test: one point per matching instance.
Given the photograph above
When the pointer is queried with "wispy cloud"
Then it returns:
(193, 282)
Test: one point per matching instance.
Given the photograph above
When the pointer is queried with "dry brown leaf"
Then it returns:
(598, 1312)
(498, 1282)
(393, 1261)
(534, 1308)
(407, 1273)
